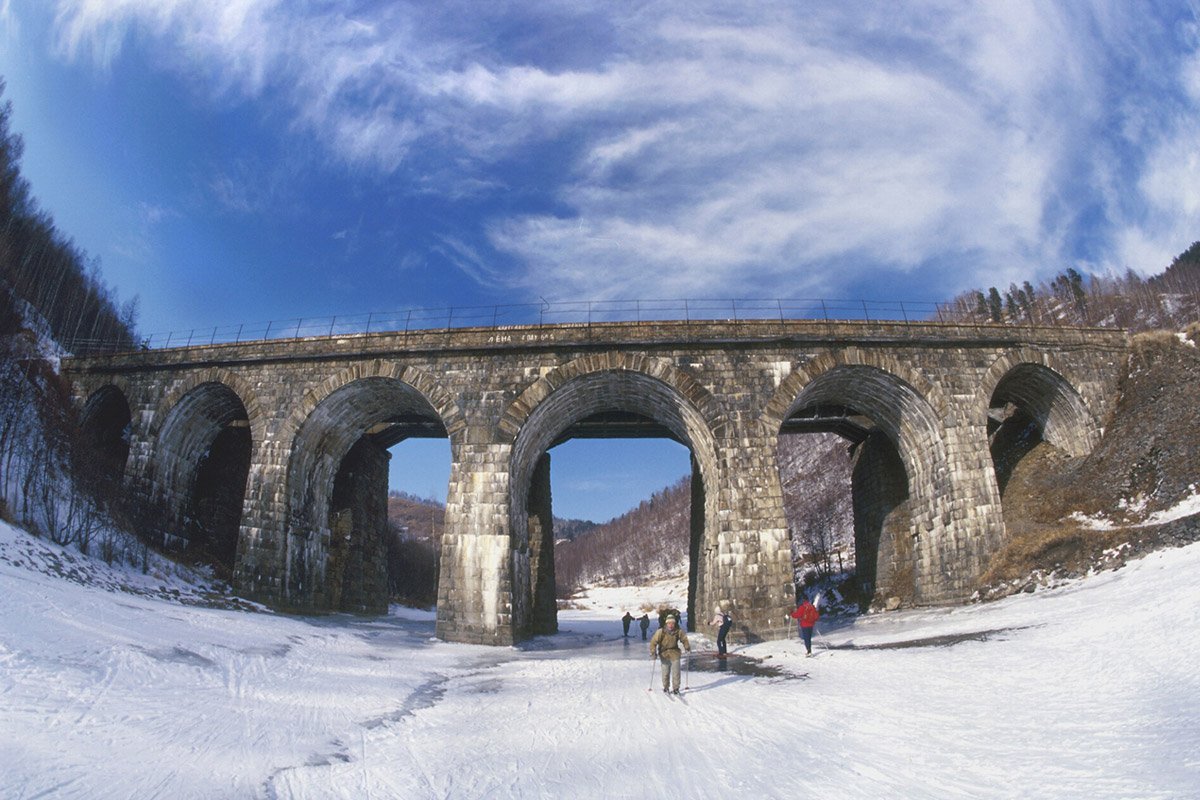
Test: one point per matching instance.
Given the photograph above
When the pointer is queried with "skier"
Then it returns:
(644, 624)
(625, 620)
(666, 613)
(722, 622)
(806, 616)
(664, 645)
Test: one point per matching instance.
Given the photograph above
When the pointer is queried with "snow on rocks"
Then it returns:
(1134, 512)
(158, 577)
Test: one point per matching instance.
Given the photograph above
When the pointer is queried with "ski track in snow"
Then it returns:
(1085, 691)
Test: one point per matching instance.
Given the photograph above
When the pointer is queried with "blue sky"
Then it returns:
(251, 160)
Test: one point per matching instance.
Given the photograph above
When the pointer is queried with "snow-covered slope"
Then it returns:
(1086, 691)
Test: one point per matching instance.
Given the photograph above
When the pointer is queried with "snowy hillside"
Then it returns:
(1089, 691)
(651, 540)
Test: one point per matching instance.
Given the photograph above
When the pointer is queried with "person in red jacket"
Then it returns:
(806, 615)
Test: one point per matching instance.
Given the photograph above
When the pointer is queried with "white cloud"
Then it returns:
(140, 241)
(1162, 204)
(1168, 218)
(713, 144)
(468, 260)
(1191, 78)
(152, 214)
(821, 153)
(9, 23)
(1172, 178)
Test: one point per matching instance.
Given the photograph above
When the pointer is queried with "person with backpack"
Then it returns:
(722, 621)
(665, 612)
(806, 616)
(664, 645)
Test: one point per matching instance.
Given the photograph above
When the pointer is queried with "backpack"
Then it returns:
(667, 640)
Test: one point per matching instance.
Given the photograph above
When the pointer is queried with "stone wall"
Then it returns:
(883, 532)
(356, 551)
(504, 395)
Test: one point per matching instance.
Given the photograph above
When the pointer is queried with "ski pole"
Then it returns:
(687, 681)
(821, 636)
(650, 688)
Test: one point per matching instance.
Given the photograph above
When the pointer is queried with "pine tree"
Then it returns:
(995, 305)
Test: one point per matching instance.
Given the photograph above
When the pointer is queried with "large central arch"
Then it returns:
(648, 388)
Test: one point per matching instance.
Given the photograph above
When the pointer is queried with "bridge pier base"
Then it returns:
(541, 551)
(477, 599)
(747, 566)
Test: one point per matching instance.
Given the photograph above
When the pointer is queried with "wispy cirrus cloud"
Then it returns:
(780, 147)
(138, 241)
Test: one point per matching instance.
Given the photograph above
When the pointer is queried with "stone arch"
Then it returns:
(106, 424)
(240, 388)
(649, 387)
(441, 401)
(782, 402)
(1037, 382)
(901, 401)
(86, 392)
(660, 369)
(201, 463)
(900, 475)
(329, 435)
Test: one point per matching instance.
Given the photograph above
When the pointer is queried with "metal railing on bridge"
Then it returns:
(541, 313)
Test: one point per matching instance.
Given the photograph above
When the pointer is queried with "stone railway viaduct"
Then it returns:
(272, 455)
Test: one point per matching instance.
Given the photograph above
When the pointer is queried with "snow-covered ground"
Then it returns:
(1090, 690)
(1133, 513)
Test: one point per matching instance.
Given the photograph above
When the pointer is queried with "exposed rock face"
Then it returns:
(1067, 516)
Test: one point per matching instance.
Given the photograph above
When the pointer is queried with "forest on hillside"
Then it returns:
(44, 273)
(413, 540)
(52, 297)
(1169, 300)
(647, 541)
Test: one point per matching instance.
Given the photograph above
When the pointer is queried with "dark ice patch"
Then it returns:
(946, 640)
(740, 666)
(179, 655)
(427, 695)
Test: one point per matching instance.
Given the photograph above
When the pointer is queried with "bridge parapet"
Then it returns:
(625, 335)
